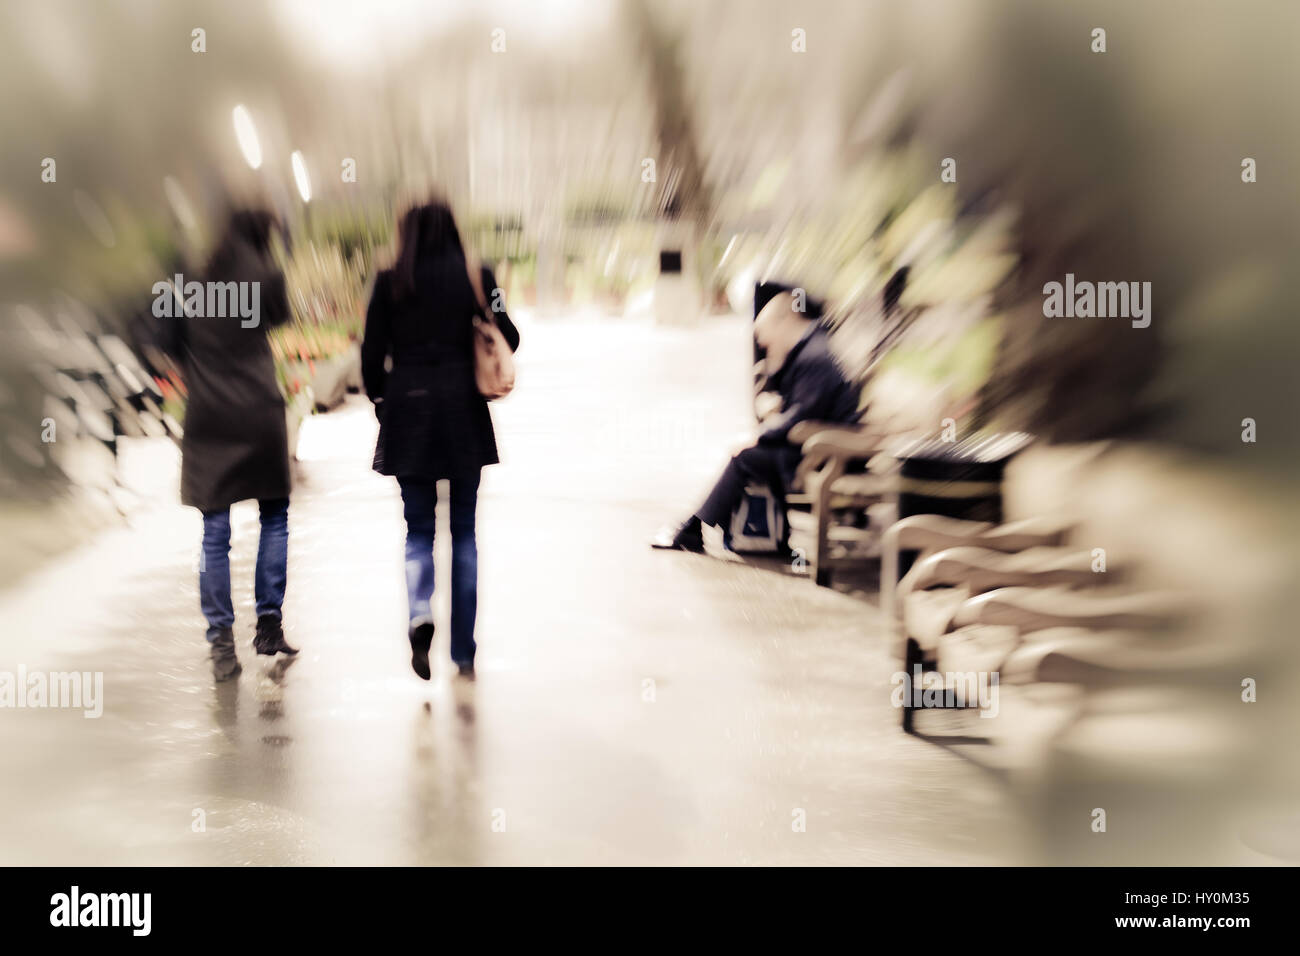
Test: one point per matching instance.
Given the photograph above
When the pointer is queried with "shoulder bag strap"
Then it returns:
(473, 270)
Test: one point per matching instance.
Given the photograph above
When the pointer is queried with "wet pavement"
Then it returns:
(631, 707)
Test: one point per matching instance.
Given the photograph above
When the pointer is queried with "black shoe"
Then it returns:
(688, 537)
(465, 669)
(421, 637)
(269, 638)
(225, 664)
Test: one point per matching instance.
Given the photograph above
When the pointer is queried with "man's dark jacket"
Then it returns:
(812, 388)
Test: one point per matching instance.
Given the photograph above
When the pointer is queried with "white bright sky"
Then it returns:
(349, 34)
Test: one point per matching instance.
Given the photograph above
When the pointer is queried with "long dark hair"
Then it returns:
(425, 232)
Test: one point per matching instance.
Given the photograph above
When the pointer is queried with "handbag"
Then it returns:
(757, 524)
(494, 363)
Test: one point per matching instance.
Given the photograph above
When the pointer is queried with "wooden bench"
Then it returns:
(842, 494)
(977, 589)
(1018, 601)
(845, 489)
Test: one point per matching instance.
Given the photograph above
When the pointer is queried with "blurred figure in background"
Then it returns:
(235, 445)
(812, 387)
(433, 423)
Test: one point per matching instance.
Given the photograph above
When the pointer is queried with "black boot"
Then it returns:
(269, 638)
(421, 638)
(225, 664)
(688, 537)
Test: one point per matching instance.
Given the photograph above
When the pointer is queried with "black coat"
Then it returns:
(812, 386)
(236, 444)
(433, 423)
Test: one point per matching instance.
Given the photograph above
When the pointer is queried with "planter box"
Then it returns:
(333, 376)
(294, 412)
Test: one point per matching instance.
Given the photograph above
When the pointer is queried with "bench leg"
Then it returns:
(911, 658)
(821, 543)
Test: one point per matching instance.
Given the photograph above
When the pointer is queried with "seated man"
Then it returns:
(812, 388)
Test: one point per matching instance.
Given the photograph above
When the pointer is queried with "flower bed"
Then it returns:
(325, 356)
(313, 366)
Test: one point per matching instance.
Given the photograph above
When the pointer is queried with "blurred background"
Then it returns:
(631, 170)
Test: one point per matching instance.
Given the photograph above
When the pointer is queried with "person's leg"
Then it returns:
(271, 576)
(760, 464)
(214, 573)
(464, 570)
(214, 593)
(419, 504)
(419, 507)
(272, 557)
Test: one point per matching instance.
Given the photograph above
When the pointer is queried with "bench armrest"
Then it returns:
(1073, 656)
(834, 450)
(800, 432)
(931, 533)
(1033, 609)
(984, 569)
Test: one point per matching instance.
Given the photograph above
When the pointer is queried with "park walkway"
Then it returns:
(631, 707)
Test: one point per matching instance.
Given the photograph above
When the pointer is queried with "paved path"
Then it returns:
(631, 707)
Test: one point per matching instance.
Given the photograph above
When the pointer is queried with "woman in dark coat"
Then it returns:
(433, 423)
(235, 445)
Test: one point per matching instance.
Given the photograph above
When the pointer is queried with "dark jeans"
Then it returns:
(771, 465)
(419, 499)
(272, 564)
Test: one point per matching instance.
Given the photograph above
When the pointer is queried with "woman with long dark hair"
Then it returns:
(235, 445)
(433, 423)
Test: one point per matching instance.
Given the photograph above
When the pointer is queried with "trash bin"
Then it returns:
(955, 479)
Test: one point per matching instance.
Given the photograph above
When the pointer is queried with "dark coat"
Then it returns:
(433, 423)
(813, 387)
(236, 444)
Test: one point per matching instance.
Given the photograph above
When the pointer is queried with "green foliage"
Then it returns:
(354, 234)
(324, 286)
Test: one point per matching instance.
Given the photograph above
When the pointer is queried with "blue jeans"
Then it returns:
(272, 564)
(419, 499)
